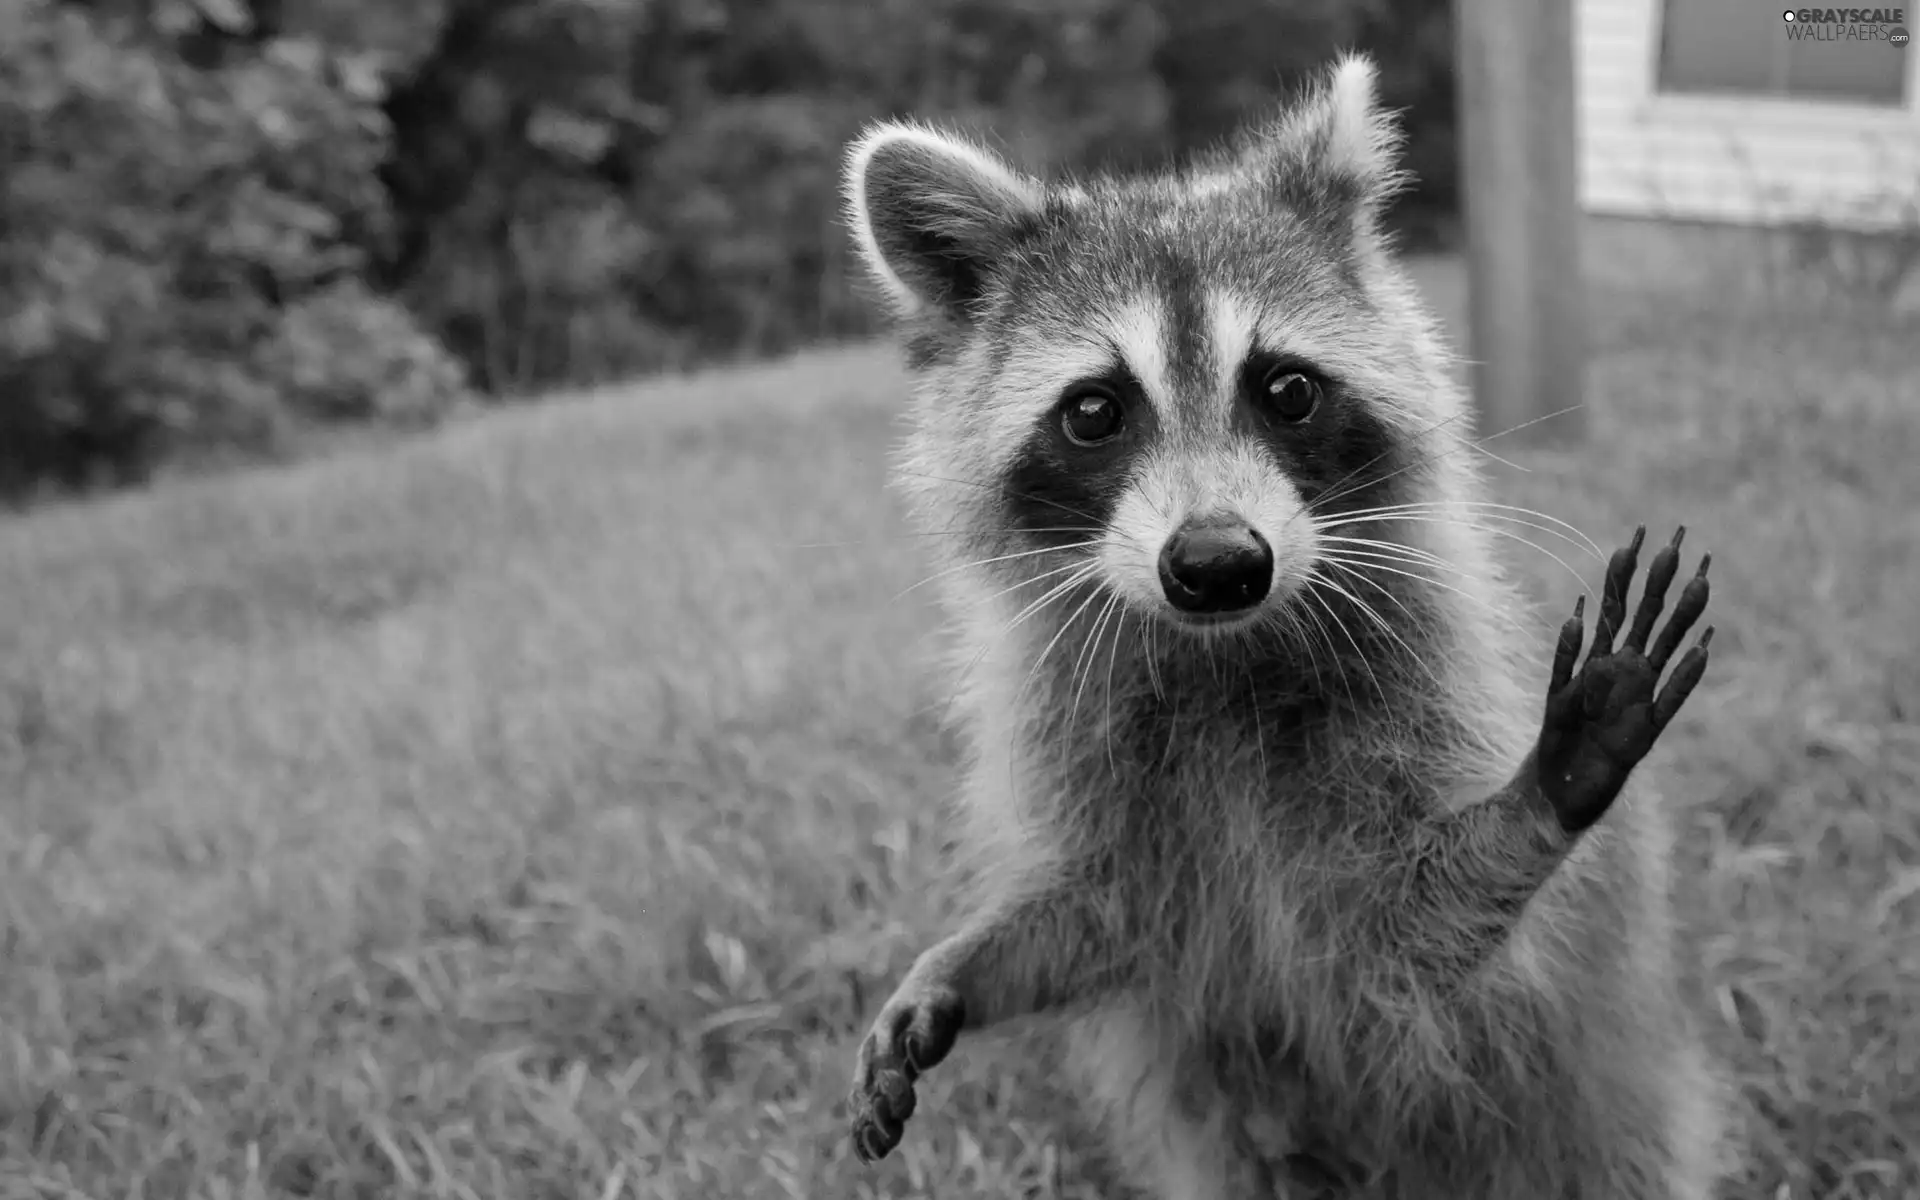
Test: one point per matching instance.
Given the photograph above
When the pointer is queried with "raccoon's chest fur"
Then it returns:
(1223, 834)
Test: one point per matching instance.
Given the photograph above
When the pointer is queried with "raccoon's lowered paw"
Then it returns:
(915, 1031)
(1602, 721)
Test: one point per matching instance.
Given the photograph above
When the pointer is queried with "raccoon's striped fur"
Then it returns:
(1209, 846)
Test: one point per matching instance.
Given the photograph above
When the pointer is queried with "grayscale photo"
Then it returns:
(959, 599)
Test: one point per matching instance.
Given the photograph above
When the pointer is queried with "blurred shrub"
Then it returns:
(223, 221)
(344, 354)
(181, 248)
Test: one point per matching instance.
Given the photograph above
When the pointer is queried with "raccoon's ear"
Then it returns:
(1335, 143)
(931, 214)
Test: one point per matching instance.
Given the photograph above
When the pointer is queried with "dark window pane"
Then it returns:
(1736, 47)
(1870, 70)
(1720, 46)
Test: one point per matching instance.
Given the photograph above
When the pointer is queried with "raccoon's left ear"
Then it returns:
(931, 214)
(1335, 144)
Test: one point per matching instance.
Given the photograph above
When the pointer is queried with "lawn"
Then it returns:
(540, 808)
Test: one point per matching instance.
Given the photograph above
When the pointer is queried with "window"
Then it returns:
(1743, 48)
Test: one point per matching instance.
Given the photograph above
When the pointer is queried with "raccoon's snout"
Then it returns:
(1216, 567)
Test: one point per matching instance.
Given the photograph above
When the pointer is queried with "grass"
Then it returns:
(539, 809)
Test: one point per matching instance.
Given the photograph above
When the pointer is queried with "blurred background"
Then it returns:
(227, 222)
(467, 717)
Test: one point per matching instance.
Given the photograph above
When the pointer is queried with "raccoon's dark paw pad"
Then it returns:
(1601, 721)
(914, 1033)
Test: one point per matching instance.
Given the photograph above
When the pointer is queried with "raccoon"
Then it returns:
(1260, 806)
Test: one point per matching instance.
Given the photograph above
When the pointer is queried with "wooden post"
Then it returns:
(1519, 159)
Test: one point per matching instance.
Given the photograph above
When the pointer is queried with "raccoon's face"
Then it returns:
(1173, 390)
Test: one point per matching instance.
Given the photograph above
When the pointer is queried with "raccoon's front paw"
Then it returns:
(1600, 723)
(915, 1031)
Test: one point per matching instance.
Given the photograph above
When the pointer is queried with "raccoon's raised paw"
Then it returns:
(915, 1031)
(1602, 721)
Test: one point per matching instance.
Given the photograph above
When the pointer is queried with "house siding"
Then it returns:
(1748, 161)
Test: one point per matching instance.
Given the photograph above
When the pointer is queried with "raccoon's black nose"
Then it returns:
(1216, 567)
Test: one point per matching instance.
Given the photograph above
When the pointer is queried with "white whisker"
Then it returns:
(1488, 509)
(1088, 650)
(1491, 530)
(1314, 577)
(1354, 559)
(916, 534)
(984, 562)
(1003, 490)
(1465, 444)
(1081, 571)
(1397, 551)
(1040, 659)
(1386, 628)
(1113, 655)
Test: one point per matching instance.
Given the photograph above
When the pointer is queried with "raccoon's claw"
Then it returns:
(1601, 722)
(914, 1033)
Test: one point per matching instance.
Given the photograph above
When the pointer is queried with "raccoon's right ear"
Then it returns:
(931, 214)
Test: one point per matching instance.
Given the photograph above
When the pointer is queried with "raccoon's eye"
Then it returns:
(1091, 416)
(1290, 395)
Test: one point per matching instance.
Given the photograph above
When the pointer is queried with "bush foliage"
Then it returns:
(225, 223)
